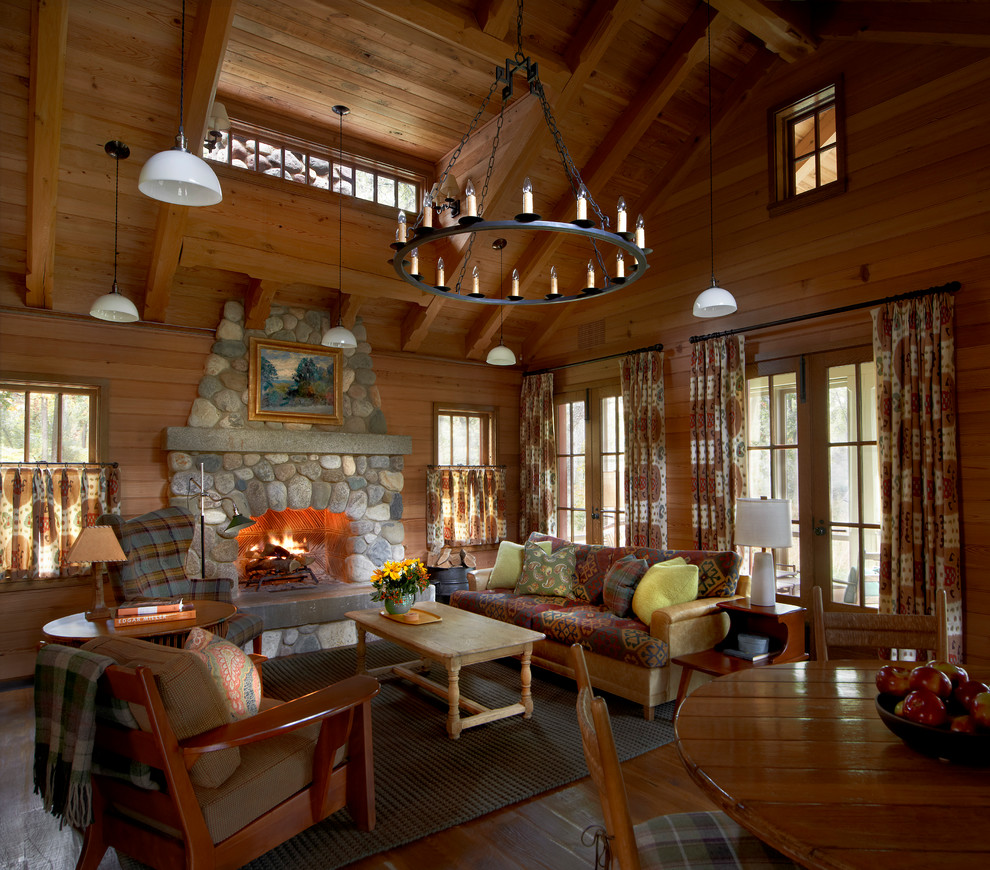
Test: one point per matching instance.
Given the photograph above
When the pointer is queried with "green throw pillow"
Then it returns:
(620, 584)
(665, 584)
(546, 573)
(509, 564)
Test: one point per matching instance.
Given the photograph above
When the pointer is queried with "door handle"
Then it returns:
(595, 514)
(820, 529)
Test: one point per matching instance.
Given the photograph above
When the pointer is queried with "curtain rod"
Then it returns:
(465, 467)
(951, 287)
(41, 462)
(586, 362)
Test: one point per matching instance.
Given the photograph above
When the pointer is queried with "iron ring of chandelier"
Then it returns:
(421, 238)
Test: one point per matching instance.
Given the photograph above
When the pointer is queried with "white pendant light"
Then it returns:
(340, 335)
(114, 305)
(178, 176)
(715, 301)
(500, 355)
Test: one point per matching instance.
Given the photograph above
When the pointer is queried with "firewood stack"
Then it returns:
(444, 557)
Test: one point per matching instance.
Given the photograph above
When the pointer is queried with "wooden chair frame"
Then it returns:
(344, 709)
(879, 630)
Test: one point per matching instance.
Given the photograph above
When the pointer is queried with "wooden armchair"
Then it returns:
(679, 840)
(235, 790)
(876, 631)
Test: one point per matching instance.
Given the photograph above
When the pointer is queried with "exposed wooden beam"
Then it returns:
(417, 323)
(494, 17)
(950, 24)
(49, 29)
(258, 302)
(204, 59)
(350, 305)
(783, 27)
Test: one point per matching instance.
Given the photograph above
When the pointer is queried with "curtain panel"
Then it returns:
(645, 472)
(465, 506)
(42, 511)
(537, 457)
(718, 438)
(914, 351)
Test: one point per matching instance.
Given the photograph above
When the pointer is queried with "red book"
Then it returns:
(151, 606)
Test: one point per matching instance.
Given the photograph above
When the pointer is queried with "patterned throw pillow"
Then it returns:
(231, 669)
(509, 564)
(620, 584)
(665, 584)
(546, 573)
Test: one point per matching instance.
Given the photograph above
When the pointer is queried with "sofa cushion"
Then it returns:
(509, 564)
(600, 631)
(590, 572)
(665, 584)
(620, 584)
(505, 606)
(547, 574)
(231, 669)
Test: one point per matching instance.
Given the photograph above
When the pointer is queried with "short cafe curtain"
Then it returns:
(42, 511)
(465, 505)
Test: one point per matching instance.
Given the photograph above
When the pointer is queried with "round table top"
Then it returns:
(75, 629)
(797, 754)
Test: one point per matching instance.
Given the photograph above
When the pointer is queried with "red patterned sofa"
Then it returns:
(625, 656)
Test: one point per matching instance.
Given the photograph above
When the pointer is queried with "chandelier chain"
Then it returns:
(519, 51)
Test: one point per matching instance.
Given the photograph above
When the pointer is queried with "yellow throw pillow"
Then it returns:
(509, 564)
(664, 584)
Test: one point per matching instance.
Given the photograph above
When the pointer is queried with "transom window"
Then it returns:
(465, 435)
(47, 423)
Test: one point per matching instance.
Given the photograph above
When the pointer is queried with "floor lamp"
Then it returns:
(766, 523)
(237, 522)
(97, 545)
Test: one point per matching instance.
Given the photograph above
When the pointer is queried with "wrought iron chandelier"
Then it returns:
(411, 245)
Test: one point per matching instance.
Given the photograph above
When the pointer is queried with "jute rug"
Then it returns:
(425, 782)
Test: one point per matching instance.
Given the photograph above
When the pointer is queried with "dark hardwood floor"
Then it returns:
(542, 832)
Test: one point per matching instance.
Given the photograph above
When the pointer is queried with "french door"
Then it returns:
(591, 466)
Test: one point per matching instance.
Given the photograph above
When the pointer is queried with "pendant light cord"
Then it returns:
(116, 200)
(340, 222)
(711, 163)
(182, 71)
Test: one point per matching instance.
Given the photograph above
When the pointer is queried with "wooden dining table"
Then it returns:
(798, 755)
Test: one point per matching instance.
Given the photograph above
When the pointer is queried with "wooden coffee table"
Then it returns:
(460, 638)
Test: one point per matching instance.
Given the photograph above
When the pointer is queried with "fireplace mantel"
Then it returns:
(189, 438)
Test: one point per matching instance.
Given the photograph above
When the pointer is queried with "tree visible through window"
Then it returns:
(42, 423)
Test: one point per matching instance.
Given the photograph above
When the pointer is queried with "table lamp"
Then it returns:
(763, 522)
(98, 545)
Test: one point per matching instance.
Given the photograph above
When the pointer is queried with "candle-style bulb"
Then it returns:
(401, 237)
(582, 203)
(440, 272)
(414, 261)
(591, 274)
(428, 210)
(471, 200)
(553, 279)
(475, 280)
(515, 282)
(527, 196)
(620, 221)
(620, 265)
(640, 232)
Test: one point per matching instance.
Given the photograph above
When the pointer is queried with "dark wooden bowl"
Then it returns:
(954, 746)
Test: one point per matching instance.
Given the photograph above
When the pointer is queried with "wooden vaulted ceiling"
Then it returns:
(627, 81)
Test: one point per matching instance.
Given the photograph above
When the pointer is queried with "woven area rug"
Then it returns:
(425, 782)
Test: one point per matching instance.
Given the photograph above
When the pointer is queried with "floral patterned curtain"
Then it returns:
(537, 457)
(718, 437)
(914, 349)
(42, 511)
(465, 505)
(646, 455)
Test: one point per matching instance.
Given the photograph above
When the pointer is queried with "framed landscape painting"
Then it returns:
(294, 383)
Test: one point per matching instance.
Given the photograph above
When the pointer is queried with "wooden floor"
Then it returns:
(542, 832)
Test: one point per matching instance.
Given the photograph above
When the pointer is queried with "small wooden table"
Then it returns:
(798, 755)
(75, 629)
(782, 623)
(460, 638)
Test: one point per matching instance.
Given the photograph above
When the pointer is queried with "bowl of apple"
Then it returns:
(936, 709)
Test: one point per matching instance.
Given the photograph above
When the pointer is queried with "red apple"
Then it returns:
(892, 680)
(956, 673)
(964, 693)
(927, 708)
(932, 679)
(965, 724)
(979, 709)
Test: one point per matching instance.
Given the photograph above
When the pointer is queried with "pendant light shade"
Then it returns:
(339, 336)
(114, 305)
(178, 176)
(714, 302)
(500, 355)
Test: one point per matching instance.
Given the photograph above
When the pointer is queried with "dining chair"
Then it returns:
(879, 630)
(698, 840)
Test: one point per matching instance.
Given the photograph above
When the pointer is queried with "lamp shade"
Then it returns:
(500, 355)
(181, 178)
(339, 336)
(714, 302)
(96, 544)
(114, 306)
(238, 521)
(763, 522)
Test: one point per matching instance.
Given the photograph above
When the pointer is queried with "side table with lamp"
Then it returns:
(97, 545)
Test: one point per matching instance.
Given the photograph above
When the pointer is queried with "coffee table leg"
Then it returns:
(526, 676)
(361, 650)
(454, 700)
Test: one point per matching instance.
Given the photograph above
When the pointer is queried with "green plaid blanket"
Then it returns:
(66, 708)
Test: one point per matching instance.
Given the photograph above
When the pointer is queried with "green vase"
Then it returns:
(404, 604)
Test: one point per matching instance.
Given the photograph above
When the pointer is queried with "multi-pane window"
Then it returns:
(42, 423)
(572, 514)
(258, 150)
(807, 151)
(465, 435)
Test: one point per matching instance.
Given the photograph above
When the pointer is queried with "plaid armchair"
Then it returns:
(156, 545)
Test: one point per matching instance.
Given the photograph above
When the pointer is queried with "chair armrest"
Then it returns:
(282, 719)
(214, 589)
(478, 579)
(691, 627)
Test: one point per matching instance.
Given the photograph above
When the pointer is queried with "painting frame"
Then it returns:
(273, 365)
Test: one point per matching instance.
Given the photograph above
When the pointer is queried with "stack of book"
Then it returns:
(153, 610)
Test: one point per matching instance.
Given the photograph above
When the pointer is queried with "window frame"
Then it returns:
(488, 414)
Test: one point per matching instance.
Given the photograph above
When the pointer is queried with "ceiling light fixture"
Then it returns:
(715, 301)
(114, 305)
(340, 335)
(407, 246)
(500, 355)
(178, 176)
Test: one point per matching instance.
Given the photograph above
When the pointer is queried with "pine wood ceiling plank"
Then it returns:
(950, 24)
(258, 302)
(49, 30)
(785, 35)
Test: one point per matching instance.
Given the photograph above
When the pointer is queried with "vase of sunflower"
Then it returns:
(396, 584)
